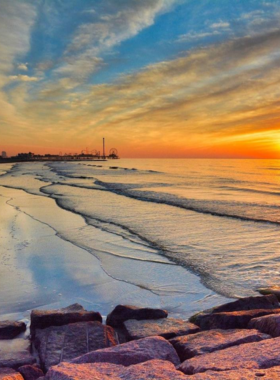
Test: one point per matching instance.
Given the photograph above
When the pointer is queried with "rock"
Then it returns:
(134, 352)
(264, 354)
(247, 303)
(15, 353)
(231, 320)
(11, 329)
(9, 374)
(205, 342)
(167, 328)
(122, 313)
(30, 372)
(243, 374)
(41, 319)
(269, 324)
(271, 290)
(153, 369)
(63, 343)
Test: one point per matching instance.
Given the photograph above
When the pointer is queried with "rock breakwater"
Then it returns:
(238, 340)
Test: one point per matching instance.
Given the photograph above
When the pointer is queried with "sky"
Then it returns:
(155, 78)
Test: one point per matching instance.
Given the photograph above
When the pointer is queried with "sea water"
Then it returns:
(175, 233)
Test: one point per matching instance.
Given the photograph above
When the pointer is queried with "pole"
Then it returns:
(103, 148)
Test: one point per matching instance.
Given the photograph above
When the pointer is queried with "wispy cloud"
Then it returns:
(23, 78)
(220, 25)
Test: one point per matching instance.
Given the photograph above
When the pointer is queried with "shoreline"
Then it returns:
(42, 264)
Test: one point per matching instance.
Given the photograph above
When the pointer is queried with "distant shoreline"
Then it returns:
(9, 161)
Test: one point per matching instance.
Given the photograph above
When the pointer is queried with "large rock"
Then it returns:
(11, 329)
(167, 328)
(9, 374)
(63, 343)
(243, 374)
(205, 342)
(30, 372)
(264, 354)
(231, 320)
(134, 352)
(15, 353)
(249, 303)
(153, 369)
(41, 319)
(269, 324)
(122, 313)
(271, 290)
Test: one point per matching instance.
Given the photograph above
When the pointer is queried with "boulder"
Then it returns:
(249, 303)
(243, 374)
(134, 352)
(153, 369)
(63, 343)
(271, 290)
(166, 327)
(264, 354)
(41, 319)
(30, 372)
(9, 374)
(11, 329)
(231, 320)
(15, 353)
(205, 342)
(122, 313)
(269, 324)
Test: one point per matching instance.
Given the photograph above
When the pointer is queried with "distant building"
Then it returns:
(4, 154)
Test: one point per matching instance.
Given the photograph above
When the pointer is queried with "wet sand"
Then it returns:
(40, 267)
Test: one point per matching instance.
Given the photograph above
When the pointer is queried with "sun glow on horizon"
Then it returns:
(168, 78)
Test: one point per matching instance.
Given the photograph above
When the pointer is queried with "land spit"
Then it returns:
(237, 340)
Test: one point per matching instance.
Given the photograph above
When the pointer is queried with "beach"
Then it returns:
(158, 233)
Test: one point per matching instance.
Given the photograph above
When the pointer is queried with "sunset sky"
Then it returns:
(156, 78)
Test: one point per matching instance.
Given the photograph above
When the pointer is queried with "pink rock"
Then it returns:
(122, 313)
(9, 374)
(41, 319)
(231, 320)
(153, 369)
(243, 374)
(30, 372)
(269, 324)
(63, 343)
(264, 354)
(133, 352)
(10, 329)
(249, 303)
(204, 342)
(166, 327)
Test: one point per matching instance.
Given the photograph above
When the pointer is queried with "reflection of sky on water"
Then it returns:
(51, 271)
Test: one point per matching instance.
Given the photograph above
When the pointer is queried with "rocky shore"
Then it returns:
(237, 340)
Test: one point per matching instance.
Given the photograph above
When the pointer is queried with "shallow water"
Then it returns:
(179, 234)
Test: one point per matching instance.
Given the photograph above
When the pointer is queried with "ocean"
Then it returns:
(180, 234)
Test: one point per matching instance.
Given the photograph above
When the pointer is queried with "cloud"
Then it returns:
(225, 93)
(192, 36)
(16, 21)
(23, 78)
(22, 66)
(117, 23)
(220, 25)
(213, 95)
